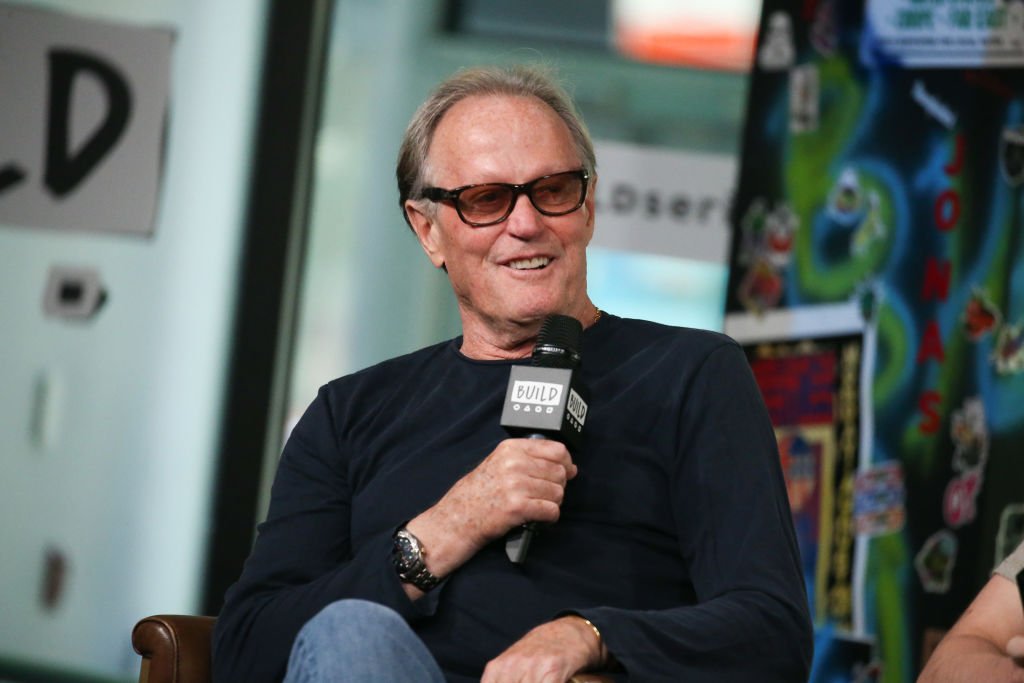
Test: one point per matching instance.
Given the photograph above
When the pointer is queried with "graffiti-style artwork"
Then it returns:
(767, 245)
(878, 172)
(980, 316)
(880, 502)
(935, 561)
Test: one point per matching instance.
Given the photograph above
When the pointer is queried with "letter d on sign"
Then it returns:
(64, 171)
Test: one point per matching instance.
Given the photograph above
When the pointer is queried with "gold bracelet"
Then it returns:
(600, 640)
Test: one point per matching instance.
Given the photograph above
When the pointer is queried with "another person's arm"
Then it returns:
(987, 642)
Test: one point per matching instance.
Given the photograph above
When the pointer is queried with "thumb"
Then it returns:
(1015, 648)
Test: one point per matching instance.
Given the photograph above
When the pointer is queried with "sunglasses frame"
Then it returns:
(438, 194)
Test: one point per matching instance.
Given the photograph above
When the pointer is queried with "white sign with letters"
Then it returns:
(82, 122)
(664, 202)
(948, 33)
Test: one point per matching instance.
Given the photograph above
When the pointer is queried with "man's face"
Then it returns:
(530, 265)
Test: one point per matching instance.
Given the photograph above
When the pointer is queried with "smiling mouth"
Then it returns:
(535, 263)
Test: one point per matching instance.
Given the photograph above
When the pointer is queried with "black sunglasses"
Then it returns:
(491, 203)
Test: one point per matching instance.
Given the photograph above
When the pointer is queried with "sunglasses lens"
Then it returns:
(561, 193)
(485, 203)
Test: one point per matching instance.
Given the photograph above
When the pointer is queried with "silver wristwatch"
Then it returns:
(407, 555)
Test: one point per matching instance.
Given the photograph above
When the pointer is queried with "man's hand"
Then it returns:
(522, 480)
(549, 653)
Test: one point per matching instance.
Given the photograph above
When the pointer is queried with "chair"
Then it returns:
(176, 649)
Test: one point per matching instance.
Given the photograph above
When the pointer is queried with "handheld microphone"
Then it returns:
(545, 400)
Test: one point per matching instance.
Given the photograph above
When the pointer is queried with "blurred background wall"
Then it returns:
(132, 471)
(109, 425)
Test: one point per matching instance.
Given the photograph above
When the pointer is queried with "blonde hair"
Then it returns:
(519, 80)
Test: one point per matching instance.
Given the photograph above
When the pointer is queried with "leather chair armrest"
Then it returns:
(174, 648)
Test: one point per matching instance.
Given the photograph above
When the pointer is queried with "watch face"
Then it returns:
(406, 555)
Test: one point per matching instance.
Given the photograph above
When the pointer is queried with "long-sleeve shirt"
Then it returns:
(675, 538)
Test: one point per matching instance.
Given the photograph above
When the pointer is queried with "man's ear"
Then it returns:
(426, 232)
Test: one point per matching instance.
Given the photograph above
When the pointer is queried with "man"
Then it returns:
(987, 642)
(667, 551)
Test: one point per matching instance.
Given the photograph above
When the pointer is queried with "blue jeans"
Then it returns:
(357, 640)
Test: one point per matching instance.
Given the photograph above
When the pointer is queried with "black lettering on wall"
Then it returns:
(653, 203)
(623, 198)
(10, 175)
(706, 206)
(65, 171)
(680, 207)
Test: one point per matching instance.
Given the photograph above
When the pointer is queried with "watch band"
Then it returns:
(407, 555)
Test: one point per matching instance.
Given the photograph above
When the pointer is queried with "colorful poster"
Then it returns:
(896, 189)
(811, 390)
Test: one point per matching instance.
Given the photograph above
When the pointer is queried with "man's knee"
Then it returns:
(351, 615)
(360, 641)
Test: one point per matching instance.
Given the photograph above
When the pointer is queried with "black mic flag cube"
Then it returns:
(545, 401)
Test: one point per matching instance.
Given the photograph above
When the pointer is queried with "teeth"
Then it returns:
(530, 263)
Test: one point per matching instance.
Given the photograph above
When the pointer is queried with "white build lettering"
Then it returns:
(577, 407)
(536, 393)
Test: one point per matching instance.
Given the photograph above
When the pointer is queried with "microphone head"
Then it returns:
(547, 397)
(558, 343)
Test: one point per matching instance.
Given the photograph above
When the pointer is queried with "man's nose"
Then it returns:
(524, 221)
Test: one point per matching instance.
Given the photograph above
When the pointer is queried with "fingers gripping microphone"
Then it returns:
(545, 400)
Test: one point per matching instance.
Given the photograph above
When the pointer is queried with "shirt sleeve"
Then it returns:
(303, 559)
(1012, 565)
(751, 620)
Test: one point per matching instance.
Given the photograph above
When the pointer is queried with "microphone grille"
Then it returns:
(558, 342)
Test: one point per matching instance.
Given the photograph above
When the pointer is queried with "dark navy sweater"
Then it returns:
(675, 538)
